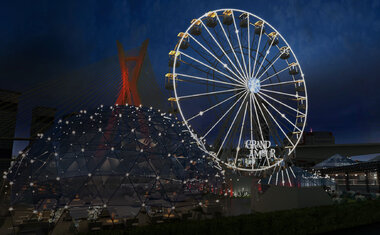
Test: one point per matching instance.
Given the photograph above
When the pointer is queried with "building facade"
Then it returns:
(8, 115)
(42, 120)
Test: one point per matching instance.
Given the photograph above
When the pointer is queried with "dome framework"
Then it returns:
(124, 159)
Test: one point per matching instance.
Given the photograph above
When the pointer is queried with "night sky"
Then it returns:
(337, 44)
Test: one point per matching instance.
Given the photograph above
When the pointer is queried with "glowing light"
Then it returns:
(254, 85)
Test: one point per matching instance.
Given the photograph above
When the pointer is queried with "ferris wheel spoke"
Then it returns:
(250, 122)
(291, 170)
(281, 83)
(209, 80)
(200, 62)
(262, 52)
(287, 173)
(232, 49)
(283, 93)
(207, 72)
(260, 129)
(208, 93)
(282, 115)
(208, 44)
(263, 160)
(275, 74)
(267, 122)
(257, 50)
(269, 66)
(216, 58)
(279, 141)
(257, 118)
(250, 118)
(203, 83)
(213, 51)
(203, 71)
(278, 125)
(241, 132)
(266, 54)
(270, 177)
(201, 54)
(262, 113)
(224, 52)
(208, 61)
(249, 47)
(295, 110)
(221, 118)
(230, 62)
(241, 50)
(251, 50)
(232, 124)
(214, 106)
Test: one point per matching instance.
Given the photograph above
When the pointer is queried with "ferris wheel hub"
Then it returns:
(254, 85)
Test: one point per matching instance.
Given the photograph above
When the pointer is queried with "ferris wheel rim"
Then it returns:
(185, 120)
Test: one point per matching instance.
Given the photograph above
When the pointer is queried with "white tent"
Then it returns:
(334, 161)
(375, 159)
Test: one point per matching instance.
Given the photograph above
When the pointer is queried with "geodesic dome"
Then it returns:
(123, 158)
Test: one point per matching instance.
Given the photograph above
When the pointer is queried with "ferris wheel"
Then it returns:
(239, 89)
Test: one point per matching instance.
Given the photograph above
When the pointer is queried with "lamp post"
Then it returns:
(347, 182)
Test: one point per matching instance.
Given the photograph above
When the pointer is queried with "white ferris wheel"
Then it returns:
(239, 89)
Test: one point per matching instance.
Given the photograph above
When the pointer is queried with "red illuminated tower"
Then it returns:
(130, 72)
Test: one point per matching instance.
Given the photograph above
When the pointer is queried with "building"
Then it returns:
(334, 161)
(8, 114)
(359, 177)
(317, 138)
(42, 120)
(315, 147)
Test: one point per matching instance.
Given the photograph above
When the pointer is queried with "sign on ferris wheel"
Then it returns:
(239, 89)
